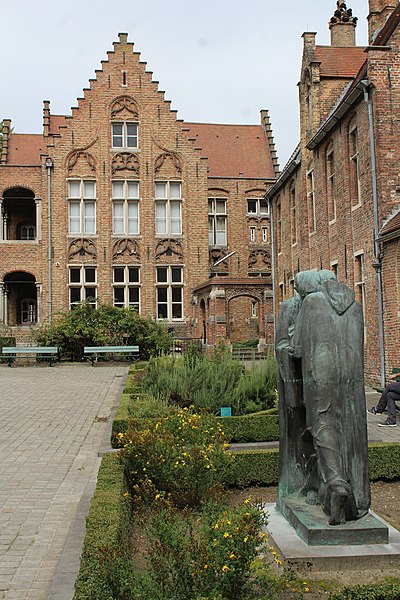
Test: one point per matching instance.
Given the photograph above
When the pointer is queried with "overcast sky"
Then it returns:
(219, 61)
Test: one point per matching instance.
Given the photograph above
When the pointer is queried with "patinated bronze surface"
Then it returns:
(323, 437)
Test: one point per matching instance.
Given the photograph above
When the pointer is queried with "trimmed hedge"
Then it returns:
(380, 591)
(105, 570)
(384, 461)
(251, 428)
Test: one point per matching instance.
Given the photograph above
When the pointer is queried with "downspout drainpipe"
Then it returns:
(49, 165)
(272, 263)
(377, 254)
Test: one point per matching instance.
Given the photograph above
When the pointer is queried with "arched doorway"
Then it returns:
(244, 318)
(19, 299)
(18, 220)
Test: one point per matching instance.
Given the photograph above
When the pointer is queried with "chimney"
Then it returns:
(5, 140)
(343, 26)
(309, 40)
(46, 118)
(379, 12)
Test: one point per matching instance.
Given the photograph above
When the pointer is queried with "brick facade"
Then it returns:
(127, 185)
(342, 206)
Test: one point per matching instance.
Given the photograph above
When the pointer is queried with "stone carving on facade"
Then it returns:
(169, 248)
(126, 248)
(259, 261)
(124, 103)
(82, 248)
(214, 256)
(83, 153)
(125, 161)
(168, 156)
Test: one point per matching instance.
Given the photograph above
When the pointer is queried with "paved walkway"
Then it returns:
(52, 425)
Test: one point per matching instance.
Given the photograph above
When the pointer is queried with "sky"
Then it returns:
(218, 61)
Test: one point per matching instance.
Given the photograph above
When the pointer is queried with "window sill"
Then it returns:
(356, 206)
(333, 222)
(23, 242)
(132, 149)
(312, 233)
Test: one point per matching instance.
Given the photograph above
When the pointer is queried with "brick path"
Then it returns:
(49, 443)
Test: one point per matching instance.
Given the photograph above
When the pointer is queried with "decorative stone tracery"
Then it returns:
(168, 156)
(214, 256)
(82, 248)
(259, 261)
(126, 248)
(170, 249)
(125, 161)
(124, 103)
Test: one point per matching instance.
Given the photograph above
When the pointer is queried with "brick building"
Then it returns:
(120, 202)
(336, 204)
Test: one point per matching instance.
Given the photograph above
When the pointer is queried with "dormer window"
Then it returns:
(124, 135)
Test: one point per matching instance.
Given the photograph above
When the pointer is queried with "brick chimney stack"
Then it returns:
(379, 12)
(343, 26)
(46, 118)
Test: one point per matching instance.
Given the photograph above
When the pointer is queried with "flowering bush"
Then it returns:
(204, 555)
(183, 456)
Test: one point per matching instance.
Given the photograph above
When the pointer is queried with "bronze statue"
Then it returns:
(326, 352)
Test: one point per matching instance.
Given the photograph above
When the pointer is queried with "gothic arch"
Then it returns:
(125, 104)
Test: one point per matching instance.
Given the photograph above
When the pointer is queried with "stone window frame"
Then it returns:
(259, 204)
(127, 201)
(128, 284)
(170, 202)
(279, 225)
(312, 214)
(82, 283)
(83, 201)
(293, 213)
(124, 135)
(330, 182)
(215, 219)
(359, 283)
(170, 299)
(354, 165)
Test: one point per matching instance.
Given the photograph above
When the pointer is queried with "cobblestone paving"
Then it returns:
(50, 436)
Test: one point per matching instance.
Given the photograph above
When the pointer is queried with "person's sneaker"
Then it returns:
(387, 423)
(373, 411)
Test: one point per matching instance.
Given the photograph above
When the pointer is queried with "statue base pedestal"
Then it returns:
(341, 562)
(311, 524)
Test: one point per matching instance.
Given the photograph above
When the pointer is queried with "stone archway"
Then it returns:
(20, 215)
(19, 299)
(244, 313)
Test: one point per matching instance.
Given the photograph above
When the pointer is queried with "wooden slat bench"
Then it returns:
(93, 352)
(394, 372)
(12, 352)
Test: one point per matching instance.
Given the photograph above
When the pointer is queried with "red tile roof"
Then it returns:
(25, 149)
(233, 150)
(391, 226)
(340, 62)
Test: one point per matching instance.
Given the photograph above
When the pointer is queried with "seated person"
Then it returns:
(388, 402)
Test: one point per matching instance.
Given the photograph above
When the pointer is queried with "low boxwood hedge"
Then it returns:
(105, 570)
(251, 428)
(379, 591)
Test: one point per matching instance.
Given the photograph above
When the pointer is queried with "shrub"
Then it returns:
(381, 591)
(106, 567)
(202, 555)
(183, 456)
(104, 326)
(261, 427)
(209, 383)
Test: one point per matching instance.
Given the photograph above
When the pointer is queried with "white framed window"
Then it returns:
(312, 221)
(82, 285)
(265, 236)
(355, 186)
(169, 293)
(126, 287)
(359, 282)
(330, 182)
(254, 308)
(279, 225)
(335, 268)
(82, 207)
(217, 219)
(252, 234)
(168, 198)
(125, 206)
(257, 206)
(124, 135)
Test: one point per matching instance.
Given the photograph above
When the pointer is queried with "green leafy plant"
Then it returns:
(106, 325)
(183, 455)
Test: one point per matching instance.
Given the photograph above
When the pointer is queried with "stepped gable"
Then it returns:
(233, 150)
(340, 61)
(25, 149)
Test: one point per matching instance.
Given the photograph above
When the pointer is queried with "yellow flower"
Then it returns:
(232, 556)
(246, 539)
(225, 569)
(226, 535)
(205, 567)
(306, 589)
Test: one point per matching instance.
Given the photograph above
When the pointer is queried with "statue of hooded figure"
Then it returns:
(328, 339)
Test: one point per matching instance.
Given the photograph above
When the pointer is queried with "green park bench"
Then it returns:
(93, 352)
(47, 352)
